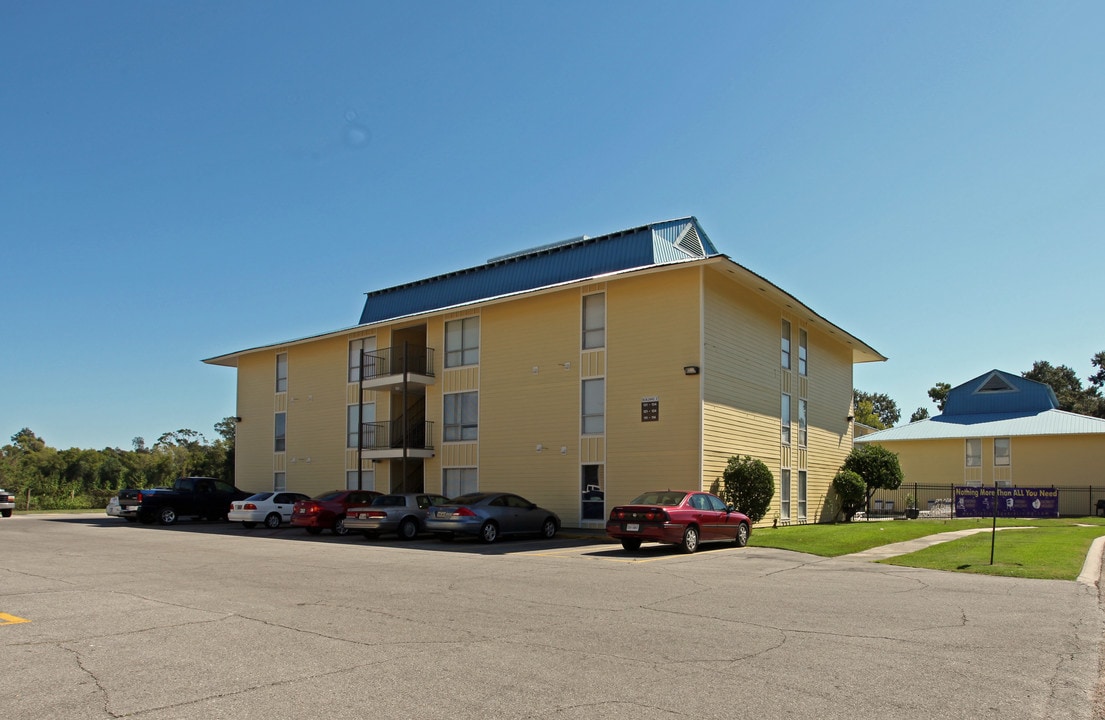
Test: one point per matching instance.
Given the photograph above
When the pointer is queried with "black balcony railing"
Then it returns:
(396, 361)
(391, 435)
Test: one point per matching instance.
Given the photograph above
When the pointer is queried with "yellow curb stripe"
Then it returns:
(6, 619)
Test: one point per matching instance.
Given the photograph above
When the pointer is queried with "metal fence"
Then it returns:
(938, 501)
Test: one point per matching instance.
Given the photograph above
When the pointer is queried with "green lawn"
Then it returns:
(1053, 549)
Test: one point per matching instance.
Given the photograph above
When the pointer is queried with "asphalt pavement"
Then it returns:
(105, 619)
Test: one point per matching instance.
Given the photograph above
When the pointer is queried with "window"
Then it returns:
(803, 434)
(362, 351)
(279, 482)
(594, 406)
(786, 345)
(803, 352)
(281, 432)
(462, 342)
(355, 419)
(282, 372)
(459, 481)
(461, 416)
(802, 494)
(974, 452)
(366, 480)
(1001, 451)
(784, 494)
(594, 321)
(784, 415)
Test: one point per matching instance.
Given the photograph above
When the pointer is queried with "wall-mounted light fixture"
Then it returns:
(690, 369)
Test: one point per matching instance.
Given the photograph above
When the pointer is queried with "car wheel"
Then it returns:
(631, 545)
(690, 539)
(408, 529)
(743, 532)
(247, 524)
(339, 527)
(6, 513)
(489, 533)
(314, 530)
(272, 521)
(548, 529)
(167, 516)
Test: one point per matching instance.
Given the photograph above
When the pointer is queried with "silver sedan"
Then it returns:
(489, 516)
(401, 513)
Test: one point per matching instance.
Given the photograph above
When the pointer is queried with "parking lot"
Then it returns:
(104, 619)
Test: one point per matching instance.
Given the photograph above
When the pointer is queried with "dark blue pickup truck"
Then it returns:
(197, 497)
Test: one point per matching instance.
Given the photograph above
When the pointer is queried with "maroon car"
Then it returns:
(677, 517)
(328, 510)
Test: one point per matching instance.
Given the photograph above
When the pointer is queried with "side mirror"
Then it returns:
(730, 508)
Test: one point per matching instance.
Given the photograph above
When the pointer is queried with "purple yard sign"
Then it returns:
(1012, 502)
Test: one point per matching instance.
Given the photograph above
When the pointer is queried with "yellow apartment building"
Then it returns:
(576, 374)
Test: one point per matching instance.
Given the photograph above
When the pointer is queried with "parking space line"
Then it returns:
(6, 619)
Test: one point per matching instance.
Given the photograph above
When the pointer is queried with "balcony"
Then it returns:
(396, 366)
(383, 440)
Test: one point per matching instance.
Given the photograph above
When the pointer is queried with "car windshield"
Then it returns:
(389, 501)
(659, 498)
(260, 496)
(332, 495)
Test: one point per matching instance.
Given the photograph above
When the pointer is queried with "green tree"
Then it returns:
(938, 393)
(875, 409)
(878, 467)
(747, 483)
(1068, 388)
(919, 414)
(852, 491)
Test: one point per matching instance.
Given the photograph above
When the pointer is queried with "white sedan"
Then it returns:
(271, 508)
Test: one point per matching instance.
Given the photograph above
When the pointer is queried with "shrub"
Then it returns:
(749, 485)
(852, 492)
(877, 466)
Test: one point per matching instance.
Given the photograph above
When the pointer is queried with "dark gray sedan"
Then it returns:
(490, 515)
(401, 513)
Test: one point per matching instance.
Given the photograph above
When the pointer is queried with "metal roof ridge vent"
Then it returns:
(539, 249)
(995, 383)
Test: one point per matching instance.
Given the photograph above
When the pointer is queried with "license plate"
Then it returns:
(632, 527)
(442, 514)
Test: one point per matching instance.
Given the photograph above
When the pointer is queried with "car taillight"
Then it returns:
(464, 512)
(654, 514)
(617, 514)
(140, 496)
(249, 506)
(375, 514)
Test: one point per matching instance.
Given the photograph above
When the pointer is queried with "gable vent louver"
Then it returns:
(690, 243)
(995, 383)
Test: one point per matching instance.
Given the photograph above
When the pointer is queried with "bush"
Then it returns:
(749, 485)
(878, 467)
(852, 491)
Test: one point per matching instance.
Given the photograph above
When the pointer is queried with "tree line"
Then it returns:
(45, 478)
(878, 410)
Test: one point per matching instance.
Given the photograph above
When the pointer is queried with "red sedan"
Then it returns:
(328, 510)
(677, 517)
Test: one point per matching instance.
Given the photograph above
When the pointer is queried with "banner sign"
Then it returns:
(1011, 502)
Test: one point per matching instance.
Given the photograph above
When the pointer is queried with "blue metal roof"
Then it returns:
(655, 244)
(1000, 392)
(995, 404)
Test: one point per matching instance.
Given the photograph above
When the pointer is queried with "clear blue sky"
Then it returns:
(180, 180)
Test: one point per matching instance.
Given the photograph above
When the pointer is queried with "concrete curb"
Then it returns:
(1091, 569)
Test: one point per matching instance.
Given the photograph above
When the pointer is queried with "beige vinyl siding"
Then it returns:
(830, 399)
(653, 331)
(529, 398)
(253, 456)
(742, 380)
